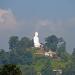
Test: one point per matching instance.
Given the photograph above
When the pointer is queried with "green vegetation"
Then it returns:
(21, 60)
(10, 70)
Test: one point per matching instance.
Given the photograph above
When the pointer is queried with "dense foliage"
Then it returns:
(10, 69)
(21, 53)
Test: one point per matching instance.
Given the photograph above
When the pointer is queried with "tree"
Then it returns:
(27, 69)
(47, 69)
(19, 53)
(73, 56)
(61, 49)
(25, 42)
(70, 66)
(20, 56)
(51, 42)
(10, 69)
(4, 57)
(13, 42)
(61, 44)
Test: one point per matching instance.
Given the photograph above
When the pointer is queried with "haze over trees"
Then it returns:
(21, 53)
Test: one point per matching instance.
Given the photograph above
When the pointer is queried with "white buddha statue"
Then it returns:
(36, 40)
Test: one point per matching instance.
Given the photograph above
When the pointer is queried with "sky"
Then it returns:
(24, 17)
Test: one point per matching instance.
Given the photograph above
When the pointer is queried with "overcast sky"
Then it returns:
(24, 17)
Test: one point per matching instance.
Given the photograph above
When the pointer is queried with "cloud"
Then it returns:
(43, 22)
(10, 26)
(51, 26)
(71, 23)
(56, 26)
(7, 19)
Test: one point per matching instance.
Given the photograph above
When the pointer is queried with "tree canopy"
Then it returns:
(21, 53)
